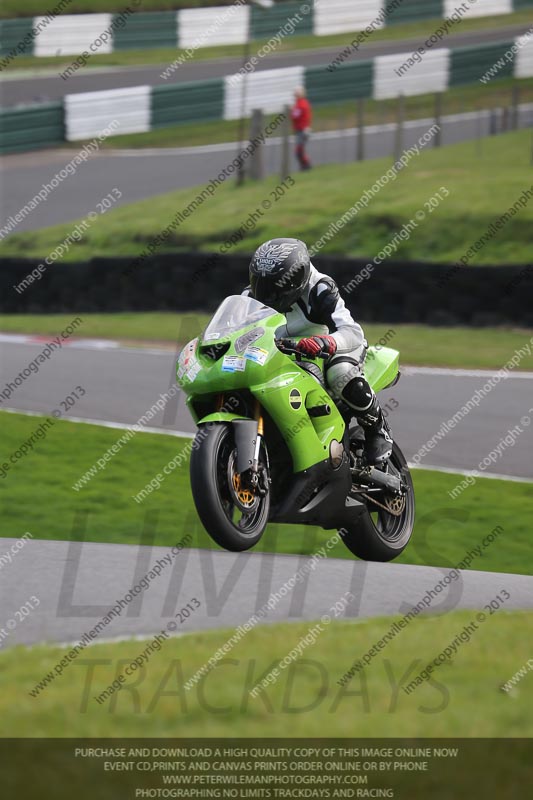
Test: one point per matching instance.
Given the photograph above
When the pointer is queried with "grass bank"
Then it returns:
(482, 184)
(463, 698)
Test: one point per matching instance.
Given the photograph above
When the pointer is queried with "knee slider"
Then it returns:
(358, 394)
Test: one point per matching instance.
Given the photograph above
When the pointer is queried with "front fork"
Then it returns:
(260, 476)
(260, 433)
(248, 438)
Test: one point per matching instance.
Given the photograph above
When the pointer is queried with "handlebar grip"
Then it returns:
(286, 345)
(289, 347)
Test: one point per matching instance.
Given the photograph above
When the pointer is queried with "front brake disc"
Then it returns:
(243, 496)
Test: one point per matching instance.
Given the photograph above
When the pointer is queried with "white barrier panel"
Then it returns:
(269, 90)
(72, 34)
(523, 66)
(341, 16)
(88, 113)
(205, 27)
(398, 74)
(481, 8)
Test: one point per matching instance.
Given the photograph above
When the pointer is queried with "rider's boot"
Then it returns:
(363, 401)
(378, 440)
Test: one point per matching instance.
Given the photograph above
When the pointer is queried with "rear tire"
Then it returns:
(211, 471)
(383, 537)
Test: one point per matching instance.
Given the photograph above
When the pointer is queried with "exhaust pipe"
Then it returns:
(375, 476)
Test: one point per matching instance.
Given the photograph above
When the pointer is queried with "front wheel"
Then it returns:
(234, 515)
(378, 534)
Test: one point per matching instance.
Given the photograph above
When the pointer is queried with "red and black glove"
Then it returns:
(316, 345)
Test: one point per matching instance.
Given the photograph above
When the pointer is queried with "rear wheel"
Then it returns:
(233, 513)
(384, 531)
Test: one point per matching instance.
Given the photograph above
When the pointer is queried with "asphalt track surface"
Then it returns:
(121, 384)
(78, 582)
(144, 173)
(40, 86)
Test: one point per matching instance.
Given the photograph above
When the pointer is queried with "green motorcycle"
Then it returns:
(273, 446)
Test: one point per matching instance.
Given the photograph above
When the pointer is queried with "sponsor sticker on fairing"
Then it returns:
(256, 354)
(187, 357)
(233, 364)
(193, 371)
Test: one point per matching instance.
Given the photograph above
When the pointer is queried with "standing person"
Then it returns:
(301, 116)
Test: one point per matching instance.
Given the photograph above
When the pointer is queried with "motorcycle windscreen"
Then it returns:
(236, 312)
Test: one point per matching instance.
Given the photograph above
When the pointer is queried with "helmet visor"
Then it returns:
(279, 291)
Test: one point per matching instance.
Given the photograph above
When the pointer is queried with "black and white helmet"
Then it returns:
(279, 273)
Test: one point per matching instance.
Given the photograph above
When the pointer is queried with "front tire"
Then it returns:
(234, 524)
(378, 535)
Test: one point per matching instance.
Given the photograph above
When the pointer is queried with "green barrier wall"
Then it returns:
(147, 31)
(13, 31)
(187, 102)
(32, 128)
(346, 83)
(414, 10)
(268, 22)
(468, 64)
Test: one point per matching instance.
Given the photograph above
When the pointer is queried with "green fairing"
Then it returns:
(220, 416)
(381, 367)
(271, 383)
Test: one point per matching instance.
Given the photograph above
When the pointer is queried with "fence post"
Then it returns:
(479, 136)
(257, 167)
(285, 144)
(505, 120)
(398, 144)
(242, 121)
(515, 104)
(493, 127)
(437, 139)
(360, 153)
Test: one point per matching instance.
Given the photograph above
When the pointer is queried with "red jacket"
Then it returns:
(301, 114)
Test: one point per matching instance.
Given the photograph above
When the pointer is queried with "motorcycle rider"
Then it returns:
(282, 277)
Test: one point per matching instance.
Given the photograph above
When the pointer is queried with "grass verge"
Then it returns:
(37, 496)
(463, 698)
(419, 345)
(482, 185)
